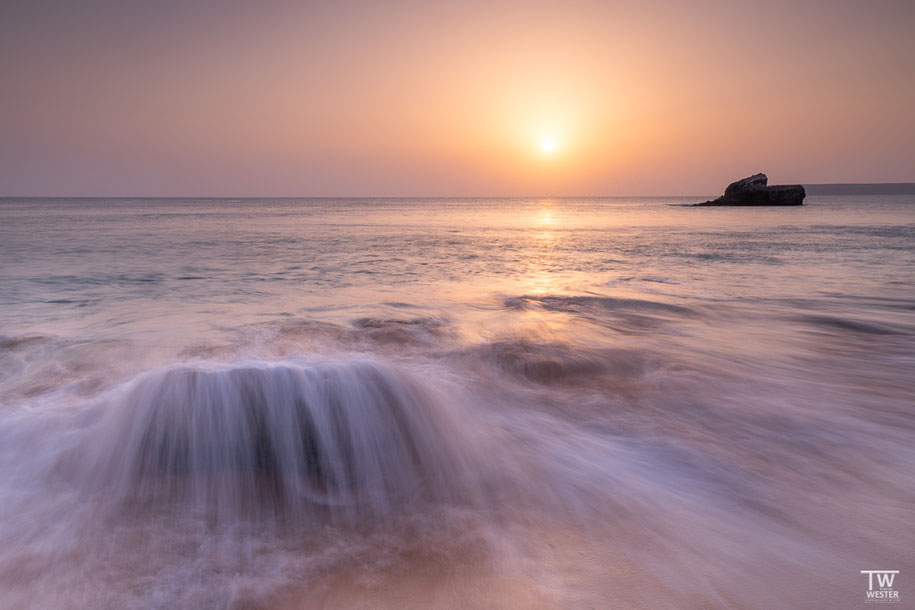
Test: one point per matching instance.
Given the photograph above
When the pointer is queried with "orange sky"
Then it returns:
(427, 98)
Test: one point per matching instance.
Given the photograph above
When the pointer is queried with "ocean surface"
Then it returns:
(531, 403)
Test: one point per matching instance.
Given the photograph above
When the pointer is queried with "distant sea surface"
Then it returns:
(455, 402)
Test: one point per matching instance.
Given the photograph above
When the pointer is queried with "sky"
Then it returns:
(401, 98)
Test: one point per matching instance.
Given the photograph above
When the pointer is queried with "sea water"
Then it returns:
(299, 403)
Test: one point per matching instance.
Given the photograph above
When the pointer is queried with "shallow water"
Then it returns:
(454, 403)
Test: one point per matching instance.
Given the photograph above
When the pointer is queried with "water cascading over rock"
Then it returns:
(338, 441)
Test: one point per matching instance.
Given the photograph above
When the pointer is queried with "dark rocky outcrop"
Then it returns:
(754, 191)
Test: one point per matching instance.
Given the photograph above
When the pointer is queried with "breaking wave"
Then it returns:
(337, 441)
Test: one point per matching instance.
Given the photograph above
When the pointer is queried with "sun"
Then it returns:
(548, 145)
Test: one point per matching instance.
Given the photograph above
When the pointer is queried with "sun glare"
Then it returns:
(548, 145)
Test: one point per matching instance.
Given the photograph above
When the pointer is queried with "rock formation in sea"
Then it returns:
(754, 191)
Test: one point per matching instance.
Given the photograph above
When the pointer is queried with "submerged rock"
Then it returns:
(348, 441)
(754, 191)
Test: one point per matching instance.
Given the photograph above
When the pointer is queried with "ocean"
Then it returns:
(461, 403)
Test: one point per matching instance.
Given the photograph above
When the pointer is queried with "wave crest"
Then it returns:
(342, 440)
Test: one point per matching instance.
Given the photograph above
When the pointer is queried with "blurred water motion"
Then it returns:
(413, 403)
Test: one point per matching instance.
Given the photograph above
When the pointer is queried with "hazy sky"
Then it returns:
(280, 98)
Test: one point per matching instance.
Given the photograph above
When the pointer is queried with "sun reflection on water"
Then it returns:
(542, 276)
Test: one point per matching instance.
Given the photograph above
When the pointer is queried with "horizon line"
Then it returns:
(342, 196)
(605, 196)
